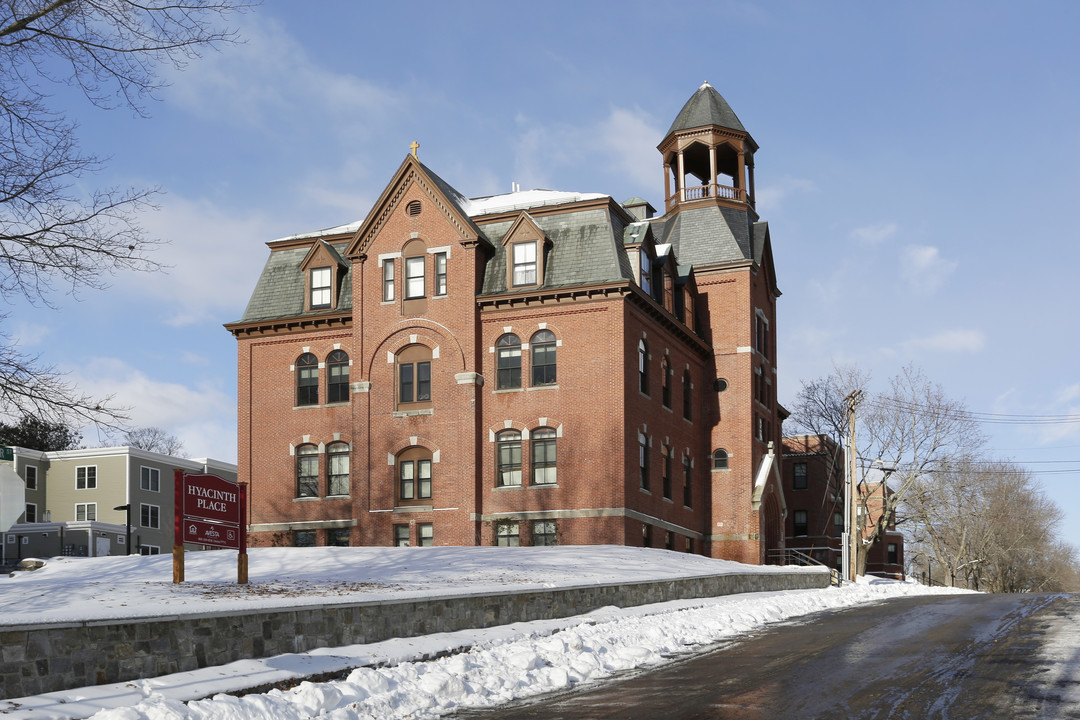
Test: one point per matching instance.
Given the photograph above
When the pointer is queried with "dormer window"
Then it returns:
(524, 263)
(645, 276)
(320, 288)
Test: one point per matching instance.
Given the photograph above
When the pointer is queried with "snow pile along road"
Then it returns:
(528, 660)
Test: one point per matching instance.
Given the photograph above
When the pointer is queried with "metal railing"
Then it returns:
(791, 556)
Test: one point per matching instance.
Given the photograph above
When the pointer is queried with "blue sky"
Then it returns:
(918, 168)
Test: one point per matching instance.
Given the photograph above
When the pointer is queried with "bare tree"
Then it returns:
(50, 230)
(901, 435)
(153, 439)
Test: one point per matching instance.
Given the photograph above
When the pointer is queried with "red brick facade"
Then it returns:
(435, 440)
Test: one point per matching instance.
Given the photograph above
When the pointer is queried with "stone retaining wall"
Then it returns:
(58, 656)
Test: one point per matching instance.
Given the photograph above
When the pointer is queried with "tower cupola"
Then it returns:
(708, 155)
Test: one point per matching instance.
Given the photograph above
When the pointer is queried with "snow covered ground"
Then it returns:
(392, 679)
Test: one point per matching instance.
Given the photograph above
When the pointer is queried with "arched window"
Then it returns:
(307, 380)
(414, 475)
(643, 367)
(414, 377)
(508, 458)
(665, 382)
(337, 383)
(337, 471)
(307, 471)
(543, 457)
(542, 346)
(687, 395)
(720, 459)
(508, 362)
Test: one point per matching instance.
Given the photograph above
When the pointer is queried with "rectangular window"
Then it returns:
(688, 486)
(423, 471)
(320, 288)
(30, 471)
(85, 511)
(524, 263)
(509, 459)
(150, 516)
(388, 280)
(401, 535)
(407, 470)
(303, 538)
(799, 522)
(338, 482)
(506, 534)
(414, 277)
(440, 273)
(86, 477)
(894, 555)
(643, 462)
(543, 457)
(426, 534)
(150, 479)
(666, 480)
(149, 550)
(799, 482)
(423, 381)
(646, 272)
(31, 513)
(406, 384)
(307, 471)
(337, 537)
(543, 533)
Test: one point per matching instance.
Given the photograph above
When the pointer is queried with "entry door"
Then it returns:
(102, 547)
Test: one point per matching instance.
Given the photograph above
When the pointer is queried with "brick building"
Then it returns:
(532, 368)
(813, 483)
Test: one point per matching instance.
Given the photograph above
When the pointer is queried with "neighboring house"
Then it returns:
(814, 488)
(71, 496)
(532, 368)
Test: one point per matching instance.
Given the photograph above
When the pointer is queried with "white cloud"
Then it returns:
(270, 76)
(213, 258)
(770, 198)
(630, 137)
(923, 268)
(203, 417)
(28, 334)
(875, 234)
(950, 341)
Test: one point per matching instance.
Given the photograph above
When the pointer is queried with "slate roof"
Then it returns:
(705, 107)
(707, 235)
(586, 249)
(280, 290)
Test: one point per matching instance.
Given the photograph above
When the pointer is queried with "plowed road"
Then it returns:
(963, 656)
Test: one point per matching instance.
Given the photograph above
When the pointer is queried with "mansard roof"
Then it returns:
(707, 235)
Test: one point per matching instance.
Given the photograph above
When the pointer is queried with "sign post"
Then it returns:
(209, 511)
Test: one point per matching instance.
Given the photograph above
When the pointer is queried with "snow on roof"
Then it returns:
(524, 200)
(338, 230)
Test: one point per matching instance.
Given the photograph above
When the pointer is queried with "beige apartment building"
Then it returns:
(76, 501)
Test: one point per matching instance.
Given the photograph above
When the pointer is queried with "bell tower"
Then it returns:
(708, 156)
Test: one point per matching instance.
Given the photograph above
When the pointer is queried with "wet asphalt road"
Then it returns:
(958, 657)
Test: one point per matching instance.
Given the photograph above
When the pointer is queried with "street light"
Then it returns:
(127, 525)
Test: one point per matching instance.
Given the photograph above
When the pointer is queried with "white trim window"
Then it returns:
(149, 516)
(414, 277)
(524, 263)
(86, 477)
(150, 479)
(320, 288)
(85, 512)
(149, 550)
(31, 513)
(30, 471)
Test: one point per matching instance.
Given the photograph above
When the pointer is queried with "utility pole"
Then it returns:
(854, 531)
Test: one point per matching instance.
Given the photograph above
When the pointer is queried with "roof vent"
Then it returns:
(413, 208)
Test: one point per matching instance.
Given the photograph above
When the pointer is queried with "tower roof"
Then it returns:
(706, 107)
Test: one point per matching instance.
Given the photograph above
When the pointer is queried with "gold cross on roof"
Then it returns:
(413, 147)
